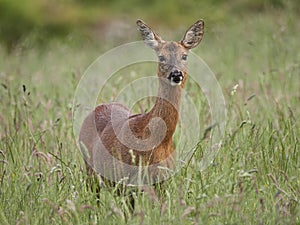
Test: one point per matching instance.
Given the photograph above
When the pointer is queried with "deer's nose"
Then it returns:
(176, 77)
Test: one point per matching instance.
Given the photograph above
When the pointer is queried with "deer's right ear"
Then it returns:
(150, 37)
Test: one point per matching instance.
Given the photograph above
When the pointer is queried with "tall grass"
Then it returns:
(253, 180)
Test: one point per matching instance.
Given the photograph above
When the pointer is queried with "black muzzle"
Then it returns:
(176, 77)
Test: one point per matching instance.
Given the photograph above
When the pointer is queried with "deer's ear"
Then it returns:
(149, 36)
(193, 35)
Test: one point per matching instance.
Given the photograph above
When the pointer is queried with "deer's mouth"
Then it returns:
(176, 77)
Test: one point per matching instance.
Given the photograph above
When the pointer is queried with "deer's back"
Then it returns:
(95, 124)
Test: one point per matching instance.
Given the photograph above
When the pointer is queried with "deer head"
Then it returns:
(172, 56)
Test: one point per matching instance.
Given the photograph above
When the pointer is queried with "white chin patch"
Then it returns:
(173, 83)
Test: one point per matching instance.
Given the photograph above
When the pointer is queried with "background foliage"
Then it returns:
(44, 20)
(253, 48)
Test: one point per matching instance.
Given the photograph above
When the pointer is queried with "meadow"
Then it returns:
(254, 178)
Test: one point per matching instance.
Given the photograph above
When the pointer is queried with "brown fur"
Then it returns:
(103, 128)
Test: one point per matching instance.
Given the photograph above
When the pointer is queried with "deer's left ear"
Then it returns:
(193, 35)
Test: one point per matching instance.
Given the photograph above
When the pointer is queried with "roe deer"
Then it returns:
(117, 144)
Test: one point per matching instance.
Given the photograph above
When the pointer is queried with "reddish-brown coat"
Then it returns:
(101, 130)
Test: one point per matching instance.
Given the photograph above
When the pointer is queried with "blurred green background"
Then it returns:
(252, 46)
(36, 22)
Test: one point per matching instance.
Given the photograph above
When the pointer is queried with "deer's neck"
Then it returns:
(159, 133)
(167, 106)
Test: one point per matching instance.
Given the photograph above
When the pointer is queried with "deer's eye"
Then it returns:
(161, 58)
(184, 57)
